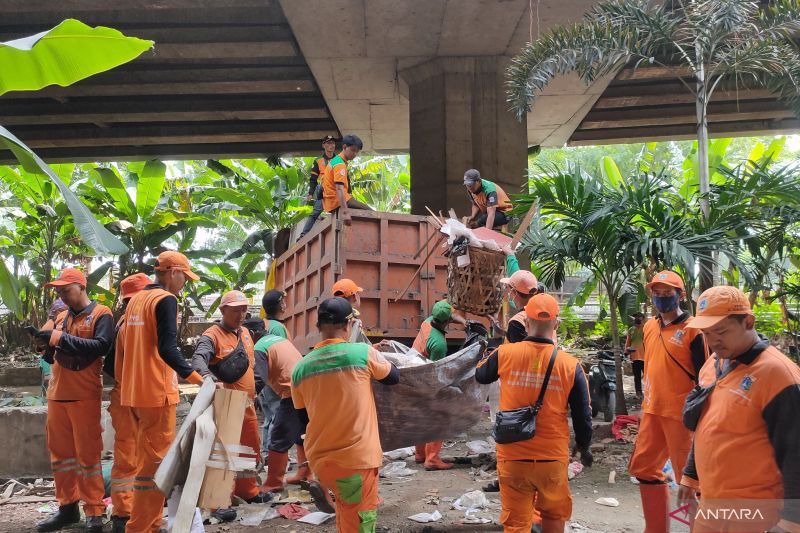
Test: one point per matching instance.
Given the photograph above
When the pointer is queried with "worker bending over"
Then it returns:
(744, 417)
(314, 186)
(535, 469)
(336, 182)
(276, 357)
(80, 336)
(432, 344)
(225, 353)
(673, 355)
(332, 389)
(150, 371)
(490, 203)
(123, 471)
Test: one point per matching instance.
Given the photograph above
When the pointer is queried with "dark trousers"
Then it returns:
(500, 219)
(315, 213)
(638, 370)
(286, 429)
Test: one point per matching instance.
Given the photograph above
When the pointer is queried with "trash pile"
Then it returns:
(16, 492)
(625, 428)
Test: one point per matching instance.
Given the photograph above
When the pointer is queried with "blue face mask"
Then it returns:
(665, 304)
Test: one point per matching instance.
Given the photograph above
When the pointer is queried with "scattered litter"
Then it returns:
(295, 496)
(424, 518)
(669, 474)
(316, 518)
(480, 446)
(396, 469)
(27, 499)
(625, 427)
(292, 511)
(475, 499)
(172, 510)
(254, 518)
(50, 507)
(449, 444)
(612, 477)
(608, 502)
(634, 480)
(405, 360)
(574, 468)
(470, 517)
(400, 453)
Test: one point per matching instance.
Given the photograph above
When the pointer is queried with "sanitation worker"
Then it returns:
(673, 356)
(274, 304)
(431, 343)
(332, 389)
(225, 353)
(634, 347)
(746, 452)
(123, 471)
(336, 182)
(349, 290)
(80, 336)
(533, 472)
(275, 359)
(150, 371)
(314, 186)
(490, 203)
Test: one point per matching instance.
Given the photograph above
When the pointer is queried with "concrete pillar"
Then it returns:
(459, 119)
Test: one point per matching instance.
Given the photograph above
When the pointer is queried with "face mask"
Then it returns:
(665, 304)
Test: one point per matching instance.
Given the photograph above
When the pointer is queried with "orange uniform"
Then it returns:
(536, 469)
(335, 173)
(124, 470)
(491, 195)
(74, 434)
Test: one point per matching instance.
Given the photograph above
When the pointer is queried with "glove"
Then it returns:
(49, 358)
(43, 334)
(587, 459)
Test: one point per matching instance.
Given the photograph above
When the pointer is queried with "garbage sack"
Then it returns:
(396, 469)
(426, 517)
(475, 499)
(432, 402)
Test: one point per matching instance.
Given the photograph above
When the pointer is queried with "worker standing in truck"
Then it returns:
(490, 203)
(314, 185)
(336, 180)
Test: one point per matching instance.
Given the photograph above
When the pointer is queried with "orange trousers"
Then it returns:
(659, 439)
(356, 492)
(124, 469)
(246, 486)
(75, 442)
(155, 429)
(525, 485)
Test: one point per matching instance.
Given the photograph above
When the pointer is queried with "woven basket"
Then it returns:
(475, 288)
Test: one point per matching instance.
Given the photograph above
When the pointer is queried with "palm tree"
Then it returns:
(720, 43)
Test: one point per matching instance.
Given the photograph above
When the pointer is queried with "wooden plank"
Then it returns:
(203, 441)
(678, 97)
(229, 407)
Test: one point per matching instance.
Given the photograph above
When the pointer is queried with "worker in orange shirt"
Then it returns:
(522, 284)
(75, 346)
(634, 347)
(225, 353)
(314, 186)
(123, 470)
(150, 370)
(336, 182)
(490, 203)
(533, 471)
(275, 358)
(673, 355)
(746, 452)
(332, 390)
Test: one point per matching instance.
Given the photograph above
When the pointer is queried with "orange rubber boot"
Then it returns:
(276, 470)
(303, 468)
(552, 526)
(655, 504)
(419, 453)
(432, 459)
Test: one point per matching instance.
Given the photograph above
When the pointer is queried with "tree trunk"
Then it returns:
(622, 409)
(707, 266)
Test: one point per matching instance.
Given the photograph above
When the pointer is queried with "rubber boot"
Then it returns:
(94, 524)
(432, 459)
(303, 468)
(321, 496)
(66, 515)
(419, 453)
(553, 526)
(655, 504)
(118, 523)
(276, 470)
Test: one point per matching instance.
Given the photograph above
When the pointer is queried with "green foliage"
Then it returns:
(769, 320)
(570, 323)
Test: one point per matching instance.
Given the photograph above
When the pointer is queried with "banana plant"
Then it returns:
(383, 183)
(219, 277)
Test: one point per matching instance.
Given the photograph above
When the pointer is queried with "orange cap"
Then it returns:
(68, 276)
(718, 303)
(667, 277)
(234, 299)
(133, 284)
(522, 281)
(346, 288)
(542, 307)
(177, 261)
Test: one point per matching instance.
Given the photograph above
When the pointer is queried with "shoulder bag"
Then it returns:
(234, 366)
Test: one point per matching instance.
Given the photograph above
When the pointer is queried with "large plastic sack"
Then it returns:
(432, 402)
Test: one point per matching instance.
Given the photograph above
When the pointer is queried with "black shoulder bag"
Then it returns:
(696, 400)
(520, 424)
(233, 367)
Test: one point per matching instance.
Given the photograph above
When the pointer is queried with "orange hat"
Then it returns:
(522, 281)
(68, 276)
(542, 307)
(718, 303)
(177, 261)
(346, 288)
(667, 277)
(234, 299)
(133, 284)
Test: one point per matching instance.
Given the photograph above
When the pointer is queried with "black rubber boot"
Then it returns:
(321, 496)
(94, 524)
(118, 523)
(66, 515)
(262, 497)
(224, 515)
